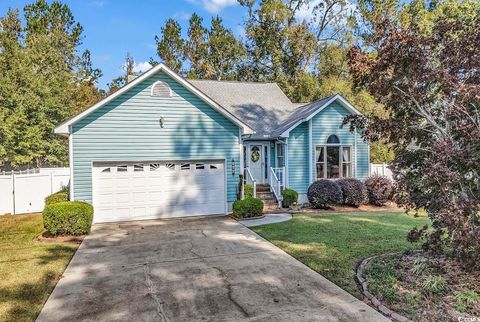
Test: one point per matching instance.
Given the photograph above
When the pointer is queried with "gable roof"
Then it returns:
(308, 111)
(65, 127)
(262, 106)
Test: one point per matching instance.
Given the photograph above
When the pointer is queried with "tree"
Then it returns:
(429, 82)
(43, 81)
(224, 52)
(196, 47)
(170, 45)
(122, 80)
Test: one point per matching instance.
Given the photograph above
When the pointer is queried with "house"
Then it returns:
(164, 146)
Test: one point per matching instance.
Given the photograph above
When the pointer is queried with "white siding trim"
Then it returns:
(310, 156)
(64, 128)
(337, 97)
(355, 153)
(70, 164)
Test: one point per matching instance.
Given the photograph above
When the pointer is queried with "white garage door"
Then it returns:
(147, 190)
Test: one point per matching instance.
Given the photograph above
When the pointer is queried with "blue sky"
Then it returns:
(114, 27)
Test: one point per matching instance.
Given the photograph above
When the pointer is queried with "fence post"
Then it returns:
(13, 191)
(51, 182)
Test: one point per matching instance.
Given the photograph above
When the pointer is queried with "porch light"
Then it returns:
(232, 164)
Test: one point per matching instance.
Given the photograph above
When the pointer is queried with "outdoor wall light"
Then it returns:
(232, 164)
(161, 121)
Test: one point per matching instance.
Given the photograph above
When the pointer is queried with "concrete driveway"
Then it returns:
(210, 269)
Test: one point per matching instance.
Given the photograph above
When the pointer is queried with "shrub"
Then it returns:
(56, 197)
(323, 193)
(354, 191)
(68, 218)
(466, 299)
(434, 284)
(248, 190)
(289, 197)
(247, 208)
(380, 190)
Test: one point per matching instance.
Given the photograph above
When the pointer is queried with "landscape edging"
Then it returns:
(375, 301)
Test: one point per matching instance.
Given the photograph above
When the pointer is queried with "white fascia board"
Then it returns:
(337, 97)
(64, 128)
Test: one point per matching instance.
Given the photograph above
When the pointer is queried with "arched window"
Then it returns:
(333, 160)
(161, 89)
(333, 139)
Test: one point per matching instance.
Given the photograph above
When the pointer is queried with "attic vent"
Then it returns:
(161, 89)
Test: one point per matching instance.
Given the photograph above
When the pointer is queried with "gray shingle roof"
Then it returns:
(299, 114)
(262, 106)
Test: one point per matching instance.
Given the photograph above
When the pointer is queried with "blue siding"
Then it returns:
(127, 129)
(298, 158)
(328, 122)
(325, 123)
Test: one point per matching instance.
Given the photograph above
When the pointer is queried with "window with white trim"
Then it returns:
(333, 160)
(280, 155)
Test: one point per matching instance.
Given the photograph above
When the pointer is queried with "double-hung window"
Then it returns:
(280, 155)
(333, 160)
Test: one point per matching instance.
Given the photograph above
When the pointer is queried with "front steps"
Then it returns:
(267, 196)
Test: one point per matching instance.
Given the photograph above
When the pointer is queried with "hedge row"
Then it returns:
(376, 190)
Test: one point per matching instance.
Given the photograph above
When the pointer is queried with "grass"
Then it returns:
(29, 269)
(334, 243)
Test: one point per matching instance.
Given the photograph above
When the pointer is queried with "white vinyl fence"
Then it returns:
(25, 191)
(380, 169)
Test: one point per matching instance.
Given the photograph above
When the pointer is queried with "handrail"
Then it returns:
(275, 185)
(252, 180)
(280, 173)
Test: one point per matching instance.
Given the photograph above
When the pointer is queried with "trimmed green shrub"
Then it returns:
(323, 193)
(56, 197)
(380, 190)
(354, 191)
(289, 197)
(248, 190)
(247, 208)
(68, 218)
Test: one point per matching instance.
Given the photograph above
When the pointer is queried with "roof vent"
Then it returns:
(161, 89)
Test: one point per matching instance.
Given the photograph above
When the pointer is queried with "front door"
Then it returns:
(256, 162)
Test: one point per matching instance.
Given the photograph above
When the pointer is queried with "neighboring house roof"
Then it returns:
(306, 112)
(263, 106)
(64, 128)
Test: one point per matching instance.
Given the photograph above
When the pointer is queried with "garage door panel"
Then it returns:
(147, 190)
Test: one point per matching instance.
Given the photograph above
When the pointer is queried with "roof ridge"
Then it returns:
(230, 81)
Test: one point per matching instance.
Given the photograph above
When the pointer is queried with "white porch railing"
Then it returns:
(280, 173)
(250, 180)
(276, 186)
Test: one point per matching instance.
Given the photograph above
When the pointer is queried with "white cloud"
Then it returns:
(182, 15)
(214, 6)
(306, 11)
(96, 3)
(141, 67)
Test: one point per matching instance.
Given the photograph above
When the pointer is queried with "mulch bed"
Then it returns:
(406, 294)
(390, 207)
(46, 238)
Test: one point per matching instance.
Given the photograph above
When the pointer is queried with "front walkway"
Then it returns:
(211, 269)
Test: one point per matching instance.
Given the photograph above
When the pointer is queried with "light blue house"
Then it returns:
(164, 146)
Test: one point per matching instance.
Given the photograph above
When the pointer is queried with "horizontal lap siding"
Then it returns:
(328, 122)
(128, 129)
(298, 158)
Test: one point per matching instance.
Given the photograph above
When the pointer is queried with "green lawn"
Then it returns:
(334, 243)
(29, 270)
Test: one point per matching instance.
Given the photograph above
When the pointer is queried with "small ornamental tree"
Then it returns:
(429, 83)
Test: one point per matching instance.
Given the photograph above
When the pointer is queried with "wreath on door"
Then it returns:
(255, 154)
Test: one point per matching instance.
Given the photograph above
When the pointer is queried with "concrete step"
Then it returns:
(263, 188)
(265, 195)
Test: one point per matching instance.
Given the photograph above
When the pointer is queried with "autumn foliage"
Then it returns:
(429, 82)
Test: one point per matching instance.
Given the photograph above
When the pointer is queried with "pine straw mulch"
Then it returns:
(398, 281)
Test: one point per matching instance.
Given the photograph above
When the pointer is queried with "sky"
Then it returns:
(114, 27)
